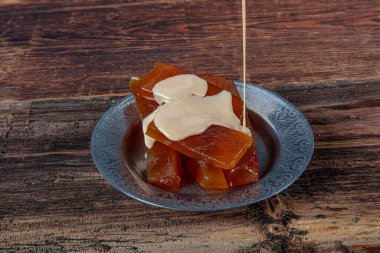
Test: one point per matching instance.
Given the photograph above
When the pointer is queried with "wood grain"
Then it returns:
(64, 63)
(91, 48)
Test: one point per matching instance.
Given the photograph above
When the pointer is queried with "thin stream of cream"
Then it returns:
(181, 114)
(244, 24)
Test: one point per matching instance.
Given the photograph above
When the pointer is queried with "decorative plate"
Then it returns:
(284, 140)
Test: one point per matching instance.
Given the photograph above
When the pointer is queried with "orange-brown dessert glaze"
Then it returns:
(144, 106)
(164, 167)
(162, 71)
(204, 171)
(246, 171)
(207, 176)
(218, 146)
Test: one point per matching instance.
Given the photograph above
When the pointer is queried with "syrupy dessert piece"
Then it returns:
(144, 106)
(210, 177)
(160, 71)
(163, 71)
(221, 83)
(219, 146)
(207, 176)
(230, 86)
(164, 167)
(246, 171)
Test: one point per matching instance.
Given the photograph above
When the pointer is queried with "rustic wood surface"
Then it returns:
(63, 63)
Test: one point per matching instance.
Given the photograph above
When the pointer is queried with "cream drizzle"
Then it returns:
(185, 110)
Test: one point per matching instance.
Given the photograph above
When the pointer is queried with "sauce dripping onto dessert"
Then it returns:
(209, 136)
(185, 110)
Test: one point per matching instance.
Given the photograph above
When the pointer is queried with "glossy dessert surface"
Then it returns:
(283, 138)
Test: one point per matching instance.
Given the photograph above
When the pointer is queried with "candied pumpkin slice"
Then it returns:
(230, 86)
(144, 106)
(163, 71)
(221, 83)
(210, 177)
(207, 176)
(218, 146)
(159, 72)
(246, 171)
(164, 168)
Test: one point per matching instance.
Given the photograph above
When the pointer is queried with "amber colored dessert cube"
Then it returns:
(164, 166)
(207, 176)
(246, 171)
(230, 86)
(218, 146)
(162, 71)
(210, 177)
(144, 106)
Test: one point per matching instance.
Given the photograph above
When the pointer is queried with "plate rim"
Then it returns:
(161, 204)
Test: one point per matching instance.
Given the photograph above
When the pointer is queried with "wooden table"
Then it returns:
(63, 63)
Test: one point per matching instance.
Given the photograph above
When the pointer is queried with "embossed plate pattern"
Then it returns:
(290, 133)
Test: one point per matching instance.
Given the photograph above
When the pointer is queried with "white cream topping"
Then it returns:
(185, 110)
(149, 141)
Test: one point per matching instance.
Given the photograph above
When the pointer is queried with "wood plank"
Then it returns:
(55, 200)
(69, 48)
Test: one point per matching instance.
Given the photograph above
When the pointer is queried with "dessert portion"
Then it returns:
(194, 120)
(164, 167)
(246, 171)
(207, 176)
